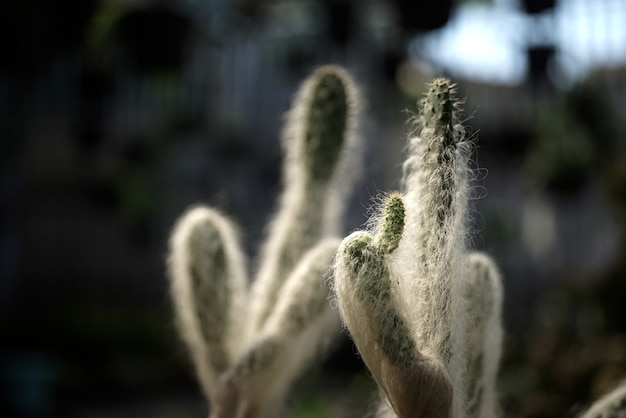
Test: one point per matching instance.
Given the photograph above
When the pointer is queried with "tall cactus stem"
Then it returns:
(250, 344)
(296, 333)
(208, 286)
(319, 147)
(435, 184)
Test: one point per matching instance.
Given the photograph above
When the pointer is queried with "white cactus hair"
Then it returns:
(308, 209)
(208, 283)
(295, 129)
(250, 343)
(431, 254)
(422, 309)
(418, 297)
(413, 381)
(300, 328)
(484, 334)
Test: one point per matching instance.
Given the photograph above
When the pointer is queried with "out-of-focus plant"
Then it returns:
(249, 343)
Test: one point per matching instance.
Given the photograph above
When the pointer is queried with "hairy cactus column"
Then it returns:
(298, 331)
(432, 253)
(409, 323)
(208, 283)
(414, 383)
(249, 345)
(319, 145)
(484, 335)
(291, 319)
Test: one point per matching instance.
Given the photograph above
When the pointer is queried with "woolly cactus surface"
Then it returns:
(249, 344)
(423, 310)
(403, 290)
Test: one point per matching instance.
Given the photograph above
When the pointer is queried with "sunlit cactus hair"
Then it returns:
(411, 381)
(299, 330)
(249, 344)
(484, 334)
(432, 252)
(405, 303)
(208, 286)
(321, 151)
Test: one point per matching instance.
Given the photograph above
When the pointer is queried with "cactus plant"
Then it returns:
(423, 309)
(250, 342)
(409, 289)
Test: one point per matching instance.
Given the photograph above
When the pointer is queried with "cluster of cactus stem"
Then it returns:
(249, 342)
(423, 310)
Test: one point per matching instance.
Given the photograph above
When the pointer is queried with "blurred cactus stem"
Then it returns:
(299, 330)
(208, 287)
(249, 345)
(484, 335)
(319, 146)
(611, 405)
(433, 251)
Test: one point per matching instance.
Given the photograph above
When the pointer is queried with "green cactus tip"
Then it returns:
(388, 238)
(326, 123)
(438, 107)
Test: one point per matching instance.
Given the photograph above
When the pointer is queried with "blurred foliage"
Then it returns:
(575, 350)
(574, 138)
(311, 408)
(571, 356)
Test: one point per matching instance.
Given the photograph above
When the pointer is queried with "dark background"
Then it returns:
(117, 115)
